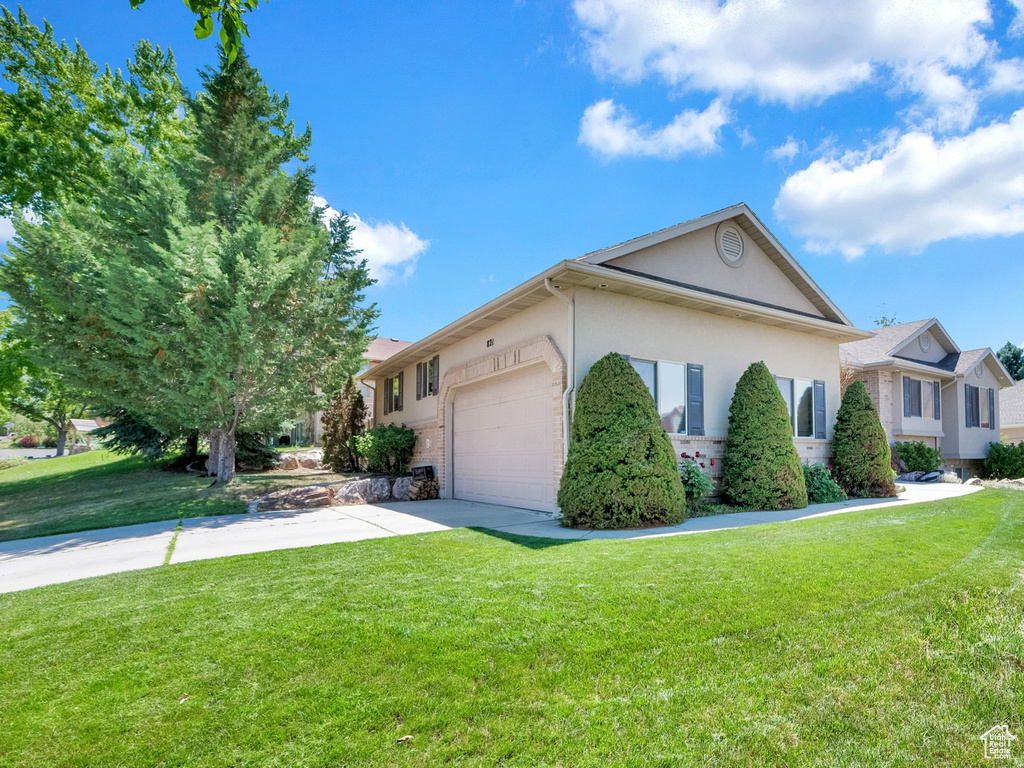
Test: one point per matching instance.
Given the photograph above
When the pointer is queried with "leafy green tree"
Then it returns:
(862, 462)
(387, 448)
(342, 421)
(621, 470)
(228, 12)
(760, 467)
(62, 116)
(1012, 358)
(207, 294)
(127, 433)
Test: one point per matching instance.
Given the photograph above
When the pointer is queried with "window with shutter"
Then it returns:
(398, 391)
(819, 410)
(420, 381)
(695, 398)
(937, 400)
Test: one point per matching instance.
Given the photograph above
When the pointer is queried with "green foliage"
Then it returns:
(1012, 358)
(918, 457)
(821, 486)
(621, 471)
(342, 421)
(228, 12)
(28, 441)
(209, 294)
(1005, 461)
(129, 434)
(696, 483)
(862, 459)
(761, 468)
(62, 116)
(253, 453)
(11, 462)
(387, 448)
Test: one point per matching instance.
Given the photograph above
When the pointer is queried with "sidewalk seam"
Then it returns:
(174, 541)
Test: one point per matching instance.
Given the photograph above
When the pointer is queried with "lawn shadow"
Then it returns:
(530, 542)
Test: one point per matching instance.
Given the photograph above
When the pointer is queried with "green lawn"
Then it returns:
(100, 490)
(883, 637)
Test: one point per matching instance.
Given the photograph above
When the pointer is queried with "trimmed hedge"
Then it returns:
(918, 457)
(862, 463)
(761, 468)
(1005, 461)
(621, 470)
(387, 448)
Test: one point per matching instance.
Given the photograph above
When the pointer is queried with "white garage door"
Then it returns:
(503, 441)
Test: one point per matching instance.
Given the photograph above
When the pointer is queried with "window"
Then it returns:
(805, 403)
(393, 394)
(980, 408)
(427, 377)
(678, 391)
(921, 399)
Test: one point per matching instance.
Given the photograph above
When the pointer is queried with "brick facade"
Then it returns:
(879, 387)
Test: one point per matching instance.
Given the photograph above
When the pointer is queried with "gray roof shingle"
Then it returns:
(876, 349)
(1011, 405)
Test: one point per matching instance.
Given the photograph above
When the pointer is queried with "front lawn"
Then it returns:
(100, 489)
(880, 637)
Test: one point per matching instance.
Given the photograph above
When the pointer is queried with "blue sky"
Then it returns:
(479, 143)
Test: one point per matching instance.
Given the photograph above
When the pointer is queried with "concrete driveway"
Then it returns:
(46, 560)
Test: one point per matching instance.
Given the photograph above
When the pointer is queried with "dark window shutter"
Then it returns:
(936, 400)
(968, 405)
(906, 396)
(991, 409)
(819, 410)
(388, 395)
(694, 399)
(435, 376)
(399, 394)
(419, 380)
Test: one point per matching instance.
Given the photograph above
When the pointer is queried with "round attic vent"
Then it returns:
(729, 242)
(977, 371)
(926, 342)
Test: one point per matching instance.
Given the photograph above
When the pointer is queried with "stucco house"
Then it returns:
(928, 390)
(491, 394)
(1011, 407)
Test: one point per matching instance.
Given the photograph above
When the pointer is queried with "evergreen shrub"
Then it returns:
(862, 461)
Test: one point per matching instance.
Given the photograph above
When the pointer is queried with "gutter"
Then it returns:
(570, 379)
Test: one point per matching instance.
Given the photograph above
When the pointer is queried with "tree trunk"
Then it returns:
(62, 438)
(191, 446)
(222, 455)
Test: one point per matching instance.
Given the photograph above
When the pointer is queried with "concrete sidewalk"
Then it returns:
(29, 563)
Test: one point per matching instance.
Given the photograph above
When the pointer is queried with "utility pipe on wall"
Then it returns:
(570, 379)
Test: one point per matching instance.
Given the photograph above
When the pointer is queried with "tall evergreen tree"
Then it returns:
(342, 421)
(206, 294)
(1012, 358)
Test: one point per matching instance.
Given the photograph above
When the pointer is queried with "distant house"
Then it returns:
(1011, 405)
(309, 429)
(491, 395)
(928, 390)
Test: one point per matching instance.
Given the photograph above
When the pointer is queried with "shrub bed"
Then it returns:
(918, 457)
(1005, 461)
(821, 486)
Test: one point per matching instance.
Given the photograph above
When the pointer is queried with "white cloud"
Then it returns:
(1007, 76)
(611, 131)
(1017, 27)
(797, 52)
(786, 151)
(6, 230)
(911, 190)
(391, 250)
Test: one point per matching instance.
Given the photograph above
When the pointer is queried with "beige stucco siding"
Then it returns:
(915, 351)
(725, 346)
(693, 259)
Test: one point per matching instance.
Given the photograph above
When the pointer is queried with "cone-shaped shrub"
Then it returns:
(863, 462)
(621, 471)
(761, 467)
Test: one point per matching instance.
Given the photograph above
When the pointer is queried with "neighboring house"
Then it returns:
(1011, 407)
(491, 395)
(927, 390)
(310, 428)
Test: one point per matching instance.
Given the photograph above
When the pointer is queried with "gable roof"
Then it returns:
(381, 348)
(1011, 405)
(755, 230)
(884, 347)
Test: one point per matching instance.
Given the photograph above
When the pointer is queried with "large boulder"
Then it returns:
(307, 497)
(289, 461)
(369, 490)
(312, 460)
(400, 488)
(949, 477)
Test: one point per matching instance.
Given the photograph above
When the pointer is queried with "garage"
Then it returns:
(503, 442)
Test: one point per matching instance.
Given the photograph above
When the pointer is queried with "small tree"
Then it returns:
(1012, 358)
(761, 467)
(343, 420)
(863, 460)
(621, 470)
(387, 448)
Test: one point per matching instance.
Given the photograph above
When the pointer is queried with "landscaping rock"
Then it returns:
(312, 460)
(1017, 484)
(911, 477)
(930, 477)
(974, 481)
(307, 497)
(370, 490)
(949, 477)
(400, 489)
(289, 461)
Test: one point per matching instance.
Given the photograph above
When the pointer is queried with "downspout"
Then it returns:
(570, 379)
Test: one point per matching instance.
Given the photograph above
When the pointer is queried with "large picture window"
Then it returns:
(980, 408)
(678, 392)
(805, 403)
(921, 399)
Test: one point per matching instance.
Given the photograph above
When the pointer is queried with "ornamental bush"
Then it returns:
(29, 441)
(387, 448)
(761, 468)
(862, 459)
(918, 457)
(343, 420)
(696, 483)
(621, 470)
(821, 486)
(1005, 461)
